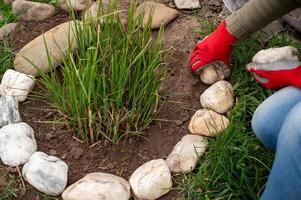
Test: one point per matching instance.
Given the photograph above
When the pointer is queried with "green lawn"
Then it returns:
(236, 165)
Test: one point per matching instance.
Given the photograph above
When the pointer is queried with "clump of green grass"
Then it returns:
(9, 190)
(110, 85)
(236, 165)
(8, 15)
(6, 57)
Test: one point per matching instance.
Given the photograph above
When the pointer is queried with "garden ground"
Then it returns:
(217, 172)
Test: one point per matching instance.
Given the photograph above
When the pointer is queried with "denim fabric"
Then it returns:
(277, 124)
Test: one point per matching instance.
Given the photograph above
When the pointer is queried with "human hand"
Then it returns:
(278, 74)
(215, 47)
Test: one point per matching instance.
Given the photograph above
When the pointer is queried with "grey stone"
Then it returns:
(47, 174)
(9, 110)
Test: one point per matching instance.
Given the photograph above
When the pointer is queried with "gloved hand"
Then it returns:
(276, 75)
(215, 47)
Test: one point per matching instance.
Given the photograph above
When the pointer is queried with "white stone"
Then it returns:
(207, 123)
(16, 84)
(219, 97)
(76, 5)
(215, 72)
(151, 180)
(9, 110)
(33, 11)
(98, 186)
(47, 174)
(17, 144)
(185, 155)
(276, 54)
(187, 4)
(34, 56)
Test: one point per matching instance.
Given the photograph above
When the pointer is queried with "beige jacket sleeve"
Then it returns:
(256, 14)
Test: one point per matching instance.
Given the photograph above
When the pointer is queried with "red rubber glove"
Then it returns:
(277, 74)
(215, 47)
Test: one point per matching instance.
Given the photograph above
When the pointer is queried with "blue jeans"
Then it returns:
(277, 124)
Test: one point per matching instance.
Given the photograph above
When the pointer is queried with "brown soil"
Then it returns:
(181, 93)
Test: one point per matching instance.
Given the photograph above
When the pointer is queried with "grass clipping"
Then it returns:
(110, 84)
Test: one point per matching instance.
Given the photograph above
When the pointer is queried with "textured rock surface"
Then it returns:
(214, 72)
(7, 29)
(9, 110)
(8, 1)
(93, 11)
(35, 52)
(16, 84)
(207, 123)
(77, 5)
(187, 4)
(33, 11)
(276, 54)
(151, 180)
(219, 97)
(98, 186)
(186, 153)
(47, 174)
(161, 14)
(17, 144)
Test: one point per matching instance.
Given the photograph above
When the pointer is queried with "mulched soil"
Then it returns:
(181, 94)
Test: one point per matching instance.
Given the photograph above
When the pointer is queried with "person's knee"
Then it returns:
(291, 129)
(258, 124)
(261, 127)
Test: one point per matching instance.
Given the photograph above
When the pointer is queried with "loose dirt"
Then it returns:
(181, 93)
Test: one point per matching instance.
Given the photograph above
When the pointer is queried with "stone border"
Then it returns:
(149, 181)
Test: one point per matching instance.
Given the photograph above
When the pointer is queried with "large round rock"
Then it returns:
(98, 186)
(54, 45)
(33, 11)
(17, 144)
(207, 123)
(47, 174)
(218, 97)
(151, 180)
(186, 153)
